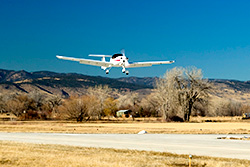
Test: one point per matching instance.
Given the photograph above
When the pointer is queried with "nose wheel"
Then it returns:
(124, 71)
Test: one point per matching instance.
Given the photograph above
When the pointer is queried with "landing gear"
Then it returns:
(107, 71)
(124, 70)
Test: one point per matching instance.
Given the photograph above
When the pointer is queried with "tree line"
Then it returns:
(179, 94)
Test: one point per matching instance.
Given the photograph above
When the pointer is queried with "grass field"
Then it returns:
(20, 154)
(222, 127)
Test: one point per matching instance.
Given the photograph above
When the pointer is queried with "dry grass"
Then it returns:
(126, 128)
(216, 119)
(197, 125)
(20, 154)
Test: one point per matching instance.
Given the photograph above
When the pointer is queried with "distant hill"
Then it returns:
(12, 76)
(53, 79)
(150, 81)
(234, 84)
(62, 84)
(67, 84)
(147, 81)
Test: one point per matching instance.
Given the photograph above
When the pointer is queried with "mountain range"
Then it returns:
(66, 84)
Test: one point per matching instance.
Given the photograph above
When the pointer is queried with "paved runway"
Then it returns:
(207, 145)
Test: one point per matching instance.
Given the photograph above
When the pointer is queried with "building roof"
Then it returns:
(122, 111)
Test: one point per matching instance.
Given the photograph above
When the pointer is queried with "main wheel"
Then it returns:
(127, 72)
(107, 71)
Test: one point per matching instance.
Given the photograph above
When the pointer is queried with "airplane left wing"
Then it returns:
(147, 64)
(86, 61)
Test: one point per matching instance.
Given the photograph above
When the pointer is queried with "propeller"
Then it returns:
(123, 52)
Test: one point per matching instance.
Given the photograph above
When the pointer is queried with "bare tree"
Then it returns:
(78, 108)
(20, 104)
(4, 98)
(38, 98)
(130, 99)
(245, 108)
(2, 104)
(225, 107)
(34, 105)
(50, 105)
(101, 93)
(167, 94)
(110, 107)
(151, 104)
(179, 90)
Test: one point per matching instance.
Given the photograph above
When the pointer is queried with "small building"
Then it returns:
(246, 116)
(123, 113)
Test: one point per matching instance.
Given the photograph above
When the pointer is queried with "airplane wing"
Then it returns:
(146, 64)
(86, 61)
(93, 55)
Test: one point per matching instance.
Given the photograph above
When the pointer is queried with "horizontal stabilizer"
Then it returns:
(100, 55)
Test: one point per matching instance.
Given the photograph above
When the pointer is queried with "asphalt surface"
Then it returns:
(206, 145)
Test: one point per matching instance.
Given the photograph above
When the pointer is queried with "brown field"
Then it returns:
(20, 154)
(218, 125)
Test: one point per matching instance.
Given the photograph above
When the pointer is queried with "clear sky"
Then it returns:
(211, 35)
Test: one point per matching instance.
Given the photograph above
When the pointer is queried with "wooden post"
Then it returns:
(190, 158)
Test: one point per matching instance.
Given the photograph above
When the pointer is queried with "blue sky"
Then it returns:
(211, 35)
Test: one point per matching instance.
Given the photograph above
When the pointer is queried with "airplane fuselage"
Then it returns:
(119, 60)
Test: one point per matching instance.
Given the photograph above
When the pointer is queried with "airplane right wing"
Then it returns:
(147, 64)
(86, 61)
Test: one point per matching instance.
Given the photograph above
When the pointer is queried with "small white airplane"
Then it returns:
(116, 60)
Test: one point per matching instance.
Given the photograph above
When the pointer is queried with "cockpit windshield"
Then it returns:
(116, 55)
